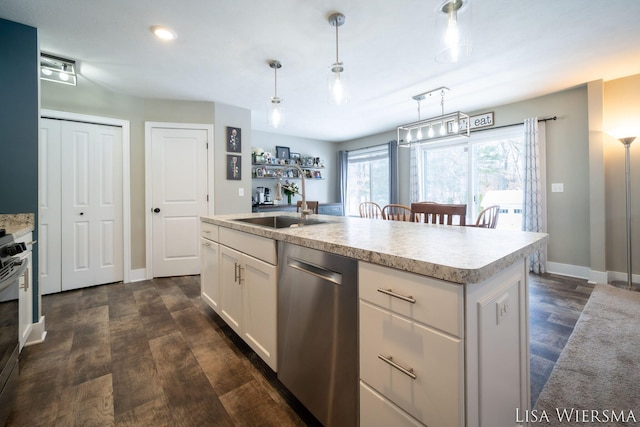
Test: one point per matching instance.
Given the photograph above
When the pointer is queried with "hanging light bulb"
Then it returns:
(430, 133)
(453, 27)
(276, 113)
(338, 87)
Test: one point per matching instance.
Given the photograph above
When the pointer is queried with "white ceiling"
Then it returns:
(521, 49)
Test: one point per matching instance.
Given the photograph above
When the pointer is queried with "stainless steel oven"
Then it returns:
(12, 266)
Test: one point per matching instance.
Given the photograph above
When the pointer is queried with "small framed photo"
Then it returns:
(282, 153)
(259, 173)
(234, 167)
(234, 140)
(294, 158)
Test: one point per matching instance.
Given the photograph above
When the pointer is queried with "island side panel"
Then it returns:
(497, 348)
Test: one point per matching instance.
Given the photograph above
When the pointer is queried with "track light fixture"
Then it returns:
(57, 69)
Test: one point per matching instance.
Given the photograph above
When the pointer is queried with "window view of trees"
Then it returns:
(367, 178)
(481, 172)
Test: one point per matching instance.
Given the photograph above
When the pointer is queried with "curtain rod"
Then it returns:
(546, 119)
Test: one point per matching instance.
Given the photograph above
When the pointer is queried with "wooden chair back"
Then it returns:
(488, 218)
(310, 205)
(370, 210)
(437, 213)
(396, 212)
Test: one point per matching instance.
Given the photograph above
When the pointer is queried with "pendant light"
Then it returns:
(453, 30)
(276, 109)
(338, 87)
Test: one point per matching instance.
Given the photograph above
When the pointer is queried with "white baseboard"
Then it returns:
(592, 276)
(568, 270)
(598, 277)
(38, 333)
(622, 277)
(138, 275)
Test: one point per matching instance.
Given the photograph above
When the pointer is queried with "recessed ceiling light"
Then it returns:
(164, 33)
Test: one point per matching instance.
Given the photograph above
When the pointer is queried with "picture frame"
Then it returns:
(295, 158)
(282, 153)
(234, 140)
(259, 173)
(234, 167)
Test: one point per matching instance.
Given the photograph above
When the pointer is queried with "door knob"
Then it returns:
(156, 210)
(81, 213)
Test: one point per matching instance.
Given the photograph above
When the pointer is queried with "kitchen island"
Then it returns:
(443, 312)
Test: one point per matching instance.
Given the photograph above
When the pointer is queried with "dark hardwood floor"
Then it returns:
(153, 354)
(555, 304)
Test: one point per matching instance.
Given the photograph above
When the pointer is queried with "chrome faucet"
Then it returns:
(304, 210)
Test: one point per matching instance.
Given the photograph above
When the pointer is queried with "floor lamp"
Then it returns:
(626, 141)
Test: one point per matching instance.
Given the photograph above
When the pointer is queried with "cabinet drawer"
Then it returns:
(433, 302)
(376, 411)
(256, 246)
(209, 231)
(435, 396)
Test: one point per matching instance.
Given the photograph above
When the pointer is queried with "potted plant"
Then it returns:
(290, 189)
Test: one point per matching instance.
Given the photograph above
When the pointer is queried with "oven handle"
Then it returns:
(7, 281)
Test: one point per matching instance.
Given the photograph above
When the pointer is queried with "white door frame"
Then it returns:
(148, 126)
(126, 174)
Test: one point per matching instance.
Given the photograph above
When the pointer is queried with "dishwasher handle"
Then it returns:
(315, 270)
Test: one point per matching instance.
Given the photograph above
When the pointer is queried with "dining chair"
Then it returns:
(310, 205)
(396, 212)
(437, 213)
(488, 218)
(370, 210)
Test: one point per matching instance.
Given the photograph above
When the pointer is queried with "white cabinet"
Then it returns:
(210, 259)
(25, 295)
(231, 288)
(246, 291)
(411, 351)
(442, 354)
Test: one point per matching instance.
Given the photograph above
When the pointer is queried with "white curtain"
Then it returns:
(415, 174)
(534, 205)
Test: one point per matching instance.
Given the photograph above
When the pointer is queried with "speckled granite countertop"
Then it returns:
(17, 224)
(455, 254)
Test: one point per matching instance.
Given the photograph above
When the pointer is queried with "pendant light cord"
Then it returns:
(337, 60)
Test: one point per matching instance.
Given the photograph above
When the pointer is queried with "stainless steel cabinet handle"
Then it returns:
(315, 270)
(389, 360)
(395, 295)
(236, 272)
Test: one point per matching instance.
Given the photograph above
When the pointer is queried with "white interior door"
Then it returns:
(91, 176)
(178, 199)
(49, 217)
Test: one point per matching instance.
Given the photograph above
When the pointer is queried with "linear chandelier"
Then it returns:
(446, 126)
(57, 69)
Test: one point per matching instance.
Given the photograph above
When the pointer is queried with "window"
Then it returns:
(486, 170)
(367, 177)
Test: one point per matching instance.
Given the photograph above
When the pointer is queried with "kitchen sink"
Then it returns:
(281, 221)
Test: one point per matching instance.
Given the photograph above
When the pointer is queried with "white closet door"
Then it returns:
(91, 175)
(49, 217)
(179, 198)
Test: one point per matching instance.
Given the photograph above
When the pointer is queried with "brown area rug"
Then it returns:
(596, 380)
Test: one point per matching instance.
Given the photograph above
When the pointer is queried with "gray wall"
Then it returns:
(88, 98)
(567, 162)
(325, 190)
(19, 127)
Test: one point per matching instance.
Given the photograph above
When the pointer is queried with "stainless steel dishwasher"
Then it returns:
(318, 332)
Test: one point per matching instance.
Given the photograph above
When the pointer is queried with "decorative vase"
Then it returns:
(289, 198)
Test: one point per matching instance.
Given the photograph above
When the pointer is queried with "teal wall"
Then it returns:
(19, 126)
